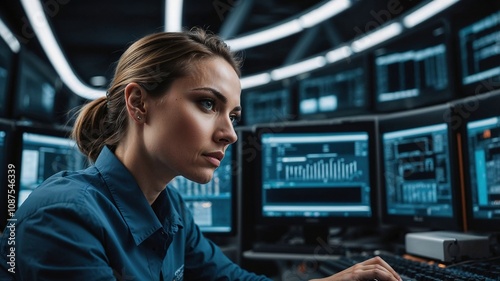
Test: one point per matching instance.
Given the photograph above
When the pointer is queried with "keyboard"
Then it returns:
(413, 270)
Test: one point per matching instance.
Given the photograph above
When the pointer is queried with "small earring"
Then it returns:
(139, 117)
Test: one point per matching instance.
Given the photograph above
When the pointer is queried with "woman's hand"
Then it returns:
(372, 269)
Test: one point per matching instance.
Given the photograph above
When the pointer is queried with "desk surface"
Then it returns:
(287, 256)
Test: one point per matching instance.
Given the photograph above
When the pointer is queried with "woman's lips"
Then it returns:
(215, 158)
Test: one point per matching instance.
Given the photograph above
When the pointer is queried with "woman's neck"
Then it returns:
(150, 181)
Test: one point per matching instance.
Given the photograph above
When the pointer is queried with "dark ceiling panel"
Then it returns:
(93, 34)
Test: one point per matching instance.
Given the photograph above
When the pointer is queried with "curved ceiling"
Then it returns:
(93, 33)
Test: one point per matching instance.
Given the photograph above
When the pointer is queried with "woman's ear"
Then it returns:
(134, 100)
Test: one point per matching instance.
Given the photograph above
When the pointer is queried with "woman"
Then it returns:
(169, 111)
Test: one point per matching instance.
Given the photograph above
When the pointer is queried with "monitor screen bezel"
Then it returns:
(410, 39)
(365, 126)
(435, 115)
(472, 109)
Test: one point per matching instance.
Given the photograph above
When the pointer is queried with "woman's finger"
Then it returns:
(379, 260)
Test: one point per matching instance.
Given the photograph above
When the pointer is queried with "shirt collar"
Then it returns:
(164, 207)
(129, 199)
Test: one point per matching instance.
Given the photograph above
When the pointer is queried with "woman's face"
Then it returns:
(190, 126)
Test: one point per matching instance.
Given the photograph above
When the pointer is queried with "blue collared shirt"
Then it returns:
(96, 224)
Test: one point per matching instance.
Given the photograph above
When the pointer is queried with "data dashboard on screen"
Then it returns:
(341, 88)
(414, 70)
(479, 49)
(212, 204)
(317, 174)
(419, 171)
(43, 155)
(484, 156)
(481, 148)
(269, 103)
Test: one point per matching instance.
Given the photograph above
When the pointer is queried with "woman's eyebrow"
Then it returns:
(218, 95)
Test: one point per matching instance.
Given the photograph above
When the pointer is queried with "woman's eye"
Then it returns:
(207, 104)
(235, 119)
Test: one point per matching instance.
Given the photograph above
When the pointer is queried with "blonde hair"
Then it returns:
(153, 62)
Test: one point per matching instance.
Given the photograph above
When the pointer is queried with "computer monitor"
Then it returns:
(212, 204)
(316, 175)
(43, 152)
(480, 137)
(414, 69)
(272, 102)
(479, 51)
(37, 90)
(7, 69)
(419, 170)
(341, 88)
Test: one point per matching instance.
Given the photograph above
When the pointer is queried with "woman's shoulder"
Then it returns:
(66, 190)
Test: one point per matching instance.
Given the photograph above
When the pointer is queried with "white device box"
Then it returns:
(447, 246)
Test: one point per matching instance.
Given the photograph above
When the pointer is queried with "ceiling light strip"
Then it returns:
(9, 38)
(173, 15)
(265, 36)
(376, 37)
(324, 12)
(289, 27)
(40, 25)
(255, 80)
(367, 41)
(338, 54)
(298, 68)
(332, 56)
(427, 11)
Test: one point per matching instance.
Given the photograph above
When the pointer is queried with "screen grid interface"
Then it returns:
(413, 72)
(210, 203)
(315, 175)
(330, 93)
(415, 67)
(43, 156)
(480, 51)
(484, 168)
(417, 172)
(261, 107)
